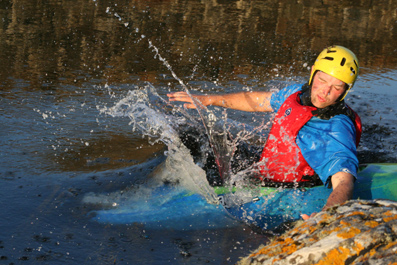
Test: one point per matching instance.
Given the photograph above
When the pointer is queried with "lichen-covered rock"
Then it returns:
(357, 232)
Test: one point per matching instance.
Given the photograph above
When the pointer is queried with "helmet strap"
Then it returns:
(306, 97)
(341, 97)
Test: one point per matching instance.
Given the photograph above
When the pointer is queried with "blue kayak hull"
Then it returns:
(175, 208)
(168, 207)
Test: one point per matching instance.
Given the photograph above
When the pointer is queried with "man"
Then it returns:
(314, 133)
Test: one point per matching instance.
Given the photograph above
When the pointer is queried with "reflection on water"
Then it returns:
(115, 151)
(51, 43)
(64, 61)
(76, 50)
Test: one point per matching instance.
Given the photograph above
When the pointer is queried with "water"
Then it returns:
(67, 65)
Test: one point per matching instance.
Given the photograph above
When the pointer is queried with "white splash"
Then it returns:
(148, 117)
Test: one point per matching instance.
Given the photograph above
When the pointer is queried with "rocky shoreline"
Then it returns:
(357, 232)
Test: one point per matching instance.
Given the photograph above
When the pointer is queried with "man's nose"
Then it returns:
(326, 89)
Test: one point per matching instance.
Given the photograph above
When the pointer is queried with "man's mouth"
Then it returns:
(321, 99)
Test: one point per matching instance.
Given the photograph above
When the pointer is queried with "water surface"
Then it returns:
(64, 61)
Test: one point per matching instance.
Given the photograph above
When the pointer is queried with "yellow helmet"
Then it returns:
(339, 62)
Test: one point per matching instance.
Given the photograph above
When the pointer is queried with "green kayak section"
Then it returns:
(267, 207)
(374, 181)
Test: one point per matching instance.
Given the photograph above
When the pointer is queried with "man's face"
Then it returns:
(326, 90)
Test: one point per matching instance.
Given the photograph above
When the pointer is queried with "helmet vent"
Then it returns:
(355, 63)
(342, 63)
(352, 69)
(329, 58)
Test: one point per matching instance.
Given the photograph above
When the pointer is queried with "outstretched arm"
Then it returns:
(245, 101)
(343, 185)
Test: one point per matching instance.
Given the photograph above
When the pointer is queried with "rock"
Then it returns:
(357, 232)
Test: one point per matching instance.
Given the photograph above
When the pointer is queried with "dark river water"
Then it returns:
(66, 65)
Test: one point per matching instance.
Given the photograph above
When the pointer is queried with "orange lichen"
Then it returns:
(335, 256)
(367, 255)
(356, 213)
(352, 214)
(345, 230)
(371, 223)
(349, 233)
(286, 247)
(391, 244)
(372, 252)
(345, 223)
(389, 213)
(305, 228)
(340, 255)
(262, 251)
(290, 247)
(326, 217)
(391, 218)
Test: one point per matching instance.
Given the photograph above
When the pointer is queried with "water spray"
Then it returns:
(222, 145)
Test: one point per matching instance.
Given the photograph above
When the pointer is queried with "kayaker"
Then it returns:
(314, 134)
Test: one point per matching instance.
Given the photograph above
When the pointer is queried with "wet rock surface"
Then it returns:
(357, 232)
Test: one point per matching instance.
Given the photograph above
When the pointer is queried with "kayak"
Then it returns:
(173, 207)
(274, 206)
(167, 207)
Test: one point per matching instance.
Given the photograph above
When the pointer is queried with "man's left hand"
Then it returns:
(305, 216)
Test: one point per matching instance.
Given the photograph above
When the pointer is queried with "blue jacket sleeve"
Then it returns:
(277, 99)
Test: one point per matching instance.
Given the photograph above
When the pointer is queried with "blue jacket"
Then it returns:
(329, 146)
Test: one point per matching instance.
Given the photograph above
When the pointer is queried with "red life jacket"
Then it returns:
(282, 159)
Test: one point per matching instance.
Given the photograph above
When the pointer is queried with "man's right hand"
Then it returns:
(184, 97)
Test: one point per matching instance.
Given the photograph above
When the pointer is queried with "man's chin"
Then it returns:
(320, 105)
